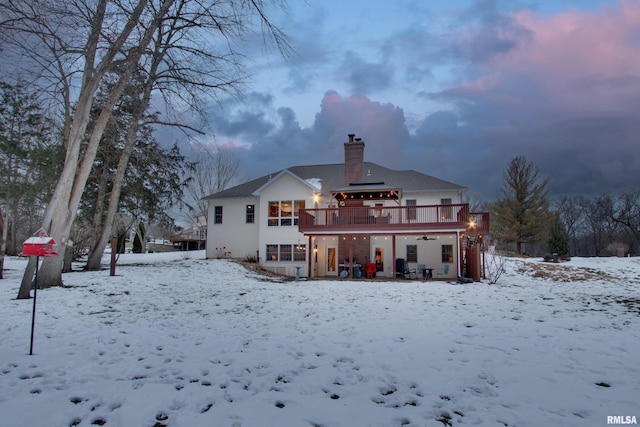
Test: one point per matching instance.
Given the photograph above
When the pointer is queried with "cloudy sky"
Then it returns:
(451, 88)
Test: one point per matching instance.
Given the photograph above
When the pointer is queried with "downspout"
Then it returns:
(310, 253)
(460, 256)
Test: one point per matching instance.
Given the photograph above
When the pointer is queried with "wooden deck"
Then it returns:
(188, 241)
(432, 218)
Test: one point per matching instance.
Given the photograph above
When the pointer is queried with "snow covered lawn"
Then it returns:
(183, 342)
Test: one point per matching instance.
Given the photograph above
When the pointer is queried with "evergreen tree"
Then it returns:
(138, 239)
(133, 175)
(198, 58)
(521, 214)
(558, 241)
(29, 165)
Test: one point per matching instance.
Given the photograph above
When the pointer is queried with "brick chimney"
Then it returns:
(353, 160)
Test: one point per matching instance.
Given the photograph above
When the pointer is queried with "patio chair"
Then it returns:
(443, 272)
(423, 271)
(403, 271)
(370, 270)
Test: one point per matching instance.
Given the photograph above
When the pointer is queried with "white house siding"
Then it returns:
(237, 239)
(431, 198)
(284, 187)
(234, 237)
(379, 241)
(430, 251)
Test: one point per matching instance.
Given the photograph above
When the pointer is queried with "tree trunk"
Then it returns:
(27, 280)
(3, 241)
(62, 209)
(58, 210)
(95, 257)
(141, 233)
(61, 213)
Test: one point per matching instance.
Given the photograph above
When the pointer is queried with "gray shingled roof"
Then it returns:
(332, 177)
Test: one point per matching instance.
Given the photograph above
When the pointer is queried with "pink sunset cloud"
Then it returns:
(563, 90)
(579, 62)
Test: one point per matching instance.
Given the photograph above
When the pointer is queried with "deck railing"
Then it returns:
(392, 218)
(187, 236)
(479, 223)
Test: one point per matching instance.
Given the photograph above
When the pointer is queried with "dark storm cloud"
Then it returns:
(562, 90)
(565, 95)
(485, 29)
(364, 77)
(381, 126)
(247, 120)
(282, 142)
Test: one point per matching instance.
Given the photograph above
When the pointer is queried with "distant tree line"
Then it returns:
(604, 225)
(525, 219)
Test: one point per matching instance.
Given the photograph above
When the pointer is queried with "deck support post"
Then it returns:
(310, 253)
(351, 272)
(393, 254)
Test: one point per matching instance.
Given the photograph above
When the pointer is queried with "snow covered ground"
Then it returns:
(182, 341)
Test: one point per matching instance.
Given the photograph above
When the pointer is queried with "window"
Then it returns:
(300, 253)
(411, 209)
(272, 252)
(297, 206)
(447, 253)
(284, 213)
(286, 252)
(412, 253)
(286, 210)
(217, 217)
(446, 212)
(274, 214)
(250, 215)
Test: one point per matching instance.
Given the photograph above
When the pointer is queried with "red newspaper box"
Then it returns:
(39, 246)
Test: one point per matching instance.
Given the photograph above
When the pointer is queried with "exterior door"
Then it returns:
(332, 261)
(378, 257)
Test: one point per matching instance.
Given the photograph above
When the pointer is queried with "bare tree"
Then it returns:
(102, 36)
(627, 213)
(107, 44)
(214, 171)
(496, 265)
(572, 216)
(3, 241)
(599, 224)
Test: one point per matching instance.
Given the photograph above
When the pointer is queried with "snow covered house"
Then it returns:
(354, 219)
